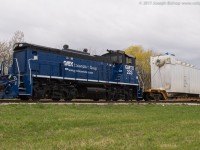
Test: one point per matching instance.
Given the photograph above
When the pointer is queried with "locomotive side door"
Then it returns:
(117, 70)
(129, 68)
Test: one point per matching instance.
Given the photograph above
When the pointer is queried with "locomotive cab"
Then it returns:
(123, 72)
(119, 57)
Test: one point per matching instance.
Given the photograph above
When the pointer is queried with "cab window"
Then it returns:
(120, 59)
(117, 59)
(129, 61)
(114, 58)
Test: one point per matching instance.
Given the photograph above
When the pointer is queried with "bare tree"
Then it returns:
(6, 48)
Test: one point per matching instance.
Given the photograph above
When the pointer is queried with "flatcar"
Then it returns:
(172, 79)
(39, 72)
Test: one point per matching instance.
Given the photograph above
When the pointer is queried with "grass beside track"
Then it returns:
(99, 127)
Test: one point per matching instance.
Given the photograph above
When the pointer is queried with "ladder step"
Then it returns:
(24, 94)
(21, 88)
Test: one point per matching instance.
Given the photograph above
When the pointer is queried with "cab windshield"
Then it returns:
(129, 61)
(117, 59)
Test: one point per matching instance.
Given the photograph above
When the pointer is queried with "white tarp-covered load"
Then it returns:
(174, 76)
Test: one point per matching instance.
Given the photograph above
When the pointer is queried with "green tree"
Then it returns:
(142, 64)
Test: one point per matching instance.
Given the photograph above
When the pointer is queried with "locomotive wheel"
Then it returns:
(24, 98)
(147, 97)
(55, 99)
(115, 99)
(108, 96)
(127, 97)
(95, 99)
(68, 99)
(37, 91)
(35, 97)
(108, 99)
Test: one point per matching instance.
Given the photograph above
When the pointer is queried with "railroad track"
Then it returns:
(7, 101)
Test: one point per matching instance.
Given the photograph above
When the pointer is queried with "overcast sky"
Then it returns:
(106, 24)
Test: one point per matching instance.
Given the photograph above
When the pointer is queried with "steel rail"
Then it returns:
(7, 101)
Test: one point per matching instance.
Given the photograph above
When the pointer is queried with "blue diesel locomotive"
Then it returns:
(39, 72)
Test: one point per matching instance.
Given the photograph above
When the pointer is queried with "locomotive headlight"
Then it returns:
(35, 57)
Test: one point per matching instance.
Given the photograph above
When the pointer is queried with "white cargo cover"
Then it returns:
(174, 76)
